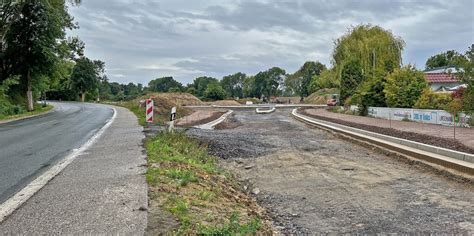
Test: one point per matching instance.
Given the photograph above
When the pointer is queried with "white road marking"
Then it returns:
(13, 203)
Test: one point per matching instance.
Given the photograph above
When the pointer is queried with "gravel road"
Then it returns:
(313, 182)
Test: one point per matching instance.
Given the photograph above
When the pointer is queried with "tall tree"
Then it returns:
(448, 58)
(164, 84)
(31, 33)
(233, 84)
(86, 76)
(200, 84)
(351, 78)
(299, 81)
(376, 50)
(268, 82)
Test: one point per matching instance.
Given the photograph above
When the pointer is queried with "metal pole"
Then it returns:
(390, 118)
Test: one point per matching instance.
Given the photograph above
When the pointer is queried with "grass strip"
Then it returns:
(38, 110)
(187, 182)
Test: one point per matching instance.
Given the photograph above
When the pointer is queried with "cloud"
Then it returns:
(141, 40)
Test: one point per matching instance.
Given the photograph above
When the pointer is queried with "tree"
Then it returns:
(31, 45)
(86, 76)
(466, 75)
(299, 82)
(214, 91)
(327, 79)
(370, 93)
(351, 78)
(200, 84)
(268, 82)
(375, 51)
(446, 59)
(164, 84)
(233, 84)
(30, 33)
(404, 87)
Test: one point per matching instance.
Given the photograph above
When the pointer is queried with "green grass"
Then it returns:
(189, 184)
(38, 110)
(234, 227)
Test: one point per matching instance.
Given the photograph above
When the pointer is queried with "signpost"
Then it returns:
(172, 118)
(149, 110)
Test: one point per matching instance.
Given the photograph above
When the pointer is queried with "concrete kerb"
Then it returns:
(265, 111)
(213, 123)
(259, 106)
(447, 158)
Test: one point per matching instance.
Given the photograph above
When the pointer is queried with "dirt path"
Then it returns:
(310, 181)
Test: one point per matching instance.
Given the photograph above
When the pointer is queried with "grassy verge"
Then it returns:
(38, 110)
(185, 181)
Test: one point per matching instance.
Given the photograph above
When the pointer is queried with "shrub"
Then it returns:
(432, 100)
(404, 87)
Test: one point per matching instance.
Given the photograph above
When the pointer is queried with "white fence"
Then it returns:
(439, 117)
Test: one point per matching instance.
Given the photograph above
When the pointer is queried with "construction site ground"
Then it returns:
(311, 181)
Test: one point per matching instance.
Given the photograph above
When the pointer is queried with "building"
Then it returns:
(442, 79)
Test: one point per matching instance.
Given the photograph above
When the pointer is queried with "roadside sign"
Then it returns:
(149, 110)
(173, 114)
(456, 118)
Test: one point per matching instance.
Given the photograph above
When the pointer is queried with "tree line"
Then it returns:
(38, 60)
(37, 57)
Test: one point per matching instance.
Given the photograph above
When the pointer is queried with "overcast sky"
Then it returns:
(145, 39)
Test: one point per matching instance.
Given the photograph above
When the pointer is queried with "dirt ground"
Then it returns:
(313, 182)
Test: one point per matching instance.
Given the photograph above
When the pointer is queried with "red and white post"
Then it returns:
(149, 110)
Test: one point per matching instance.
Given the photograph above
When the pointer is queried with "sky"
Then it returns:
(140, 40)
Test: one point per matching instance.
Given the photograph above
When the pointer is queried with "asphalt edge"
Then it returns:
(454, 166)
(22, 196)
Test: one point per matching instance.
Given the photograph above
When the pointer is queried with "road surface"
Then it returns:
(28, 147)
(102, 191)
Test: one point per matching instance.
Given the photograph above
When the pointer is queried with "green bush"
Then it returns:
(404, 87)
(432, 100)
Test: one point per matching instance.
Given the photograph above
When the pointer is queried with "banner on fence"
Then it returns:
(439, 117)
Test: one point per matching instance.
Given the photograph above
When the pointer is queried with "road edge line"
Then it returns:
(17, 200)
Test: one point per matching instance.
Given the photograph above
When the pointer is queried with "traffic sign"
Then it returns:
(149, 110)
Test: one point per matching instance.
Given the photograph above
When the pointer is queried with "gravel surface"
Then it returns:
(312, 182)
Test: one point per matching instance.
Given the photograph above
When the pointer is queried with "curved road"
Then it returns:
(28, 147)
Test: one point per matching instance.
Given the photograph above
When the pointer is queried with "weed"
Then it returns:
(183, 176)
(234, 227)
(205, 195)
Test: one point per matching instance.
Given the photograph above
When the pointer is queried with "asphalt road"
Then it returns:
(28, 147)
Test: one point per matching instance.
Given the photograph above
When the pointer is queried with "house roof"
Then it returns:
(440, 78)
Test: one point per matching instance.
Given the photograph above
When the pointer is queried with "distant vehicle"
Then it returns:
(334, 100)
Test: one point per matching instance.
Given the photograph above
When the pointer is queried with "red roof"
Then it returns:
(440, 78)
